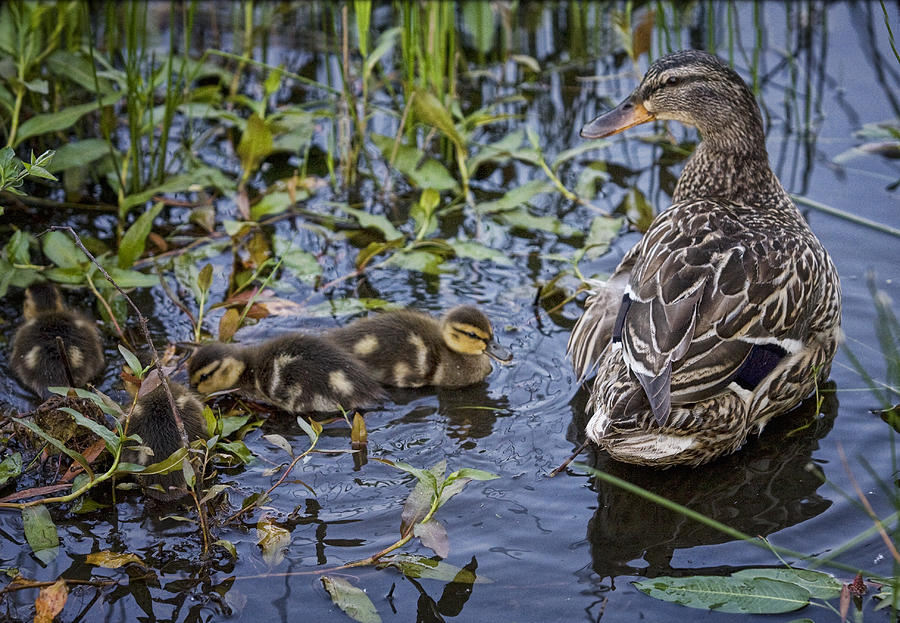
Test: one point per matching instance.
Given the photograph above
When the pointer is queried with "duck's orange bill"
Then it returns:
(626, 115)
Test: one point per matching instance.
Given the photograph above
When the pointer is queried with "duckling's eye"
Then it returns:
(672, 81)
(474, 336)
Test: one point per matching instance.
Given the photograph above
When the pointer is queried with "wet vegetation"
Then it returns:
(189, 172)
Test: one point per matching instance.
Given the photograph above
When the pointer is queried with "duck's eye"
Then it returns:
(672, 81)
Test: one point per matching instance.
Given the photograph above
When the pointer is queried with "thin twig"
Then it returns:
(172, 297)
(571, 458)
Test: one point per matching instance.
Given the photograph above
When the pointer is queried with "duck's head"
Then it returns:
(41, 297)
(215, 367)
(695, 88)
(466, 330)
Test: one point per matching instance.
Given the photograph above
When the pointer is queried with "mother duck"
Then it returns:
(727, 312)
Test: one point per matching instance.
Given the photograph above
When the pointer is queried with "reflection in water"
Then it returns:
(764, 487)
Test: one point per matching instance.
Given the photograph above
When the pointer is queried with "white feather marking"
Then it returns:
(32, 357)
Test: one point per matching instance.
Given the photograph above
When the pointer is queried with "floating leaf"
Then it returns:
(419, 261)
(477, 251)
(112, 560)
(135, 238)
(604, 230)
(50, 601)
(422, 170)
(40, 532)
(728, 594)
(11, 467)
(273, 203)
(272, 540)
(375, 221)
(352, 600)
(420, 567)
(302, 264)
(434, 536)
(228, 545)
(515, 197)
(820, 585)
(524, 219)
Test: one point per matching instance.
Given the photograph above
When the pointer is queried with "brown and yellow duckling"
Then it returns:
(406, 348)
(297, 373)
(153, 421)
(36, 352)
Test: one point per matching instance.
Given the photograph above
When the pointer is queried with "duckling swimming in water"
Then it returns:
(152, 419)
(298, 373)
(36, 359)
(406, 348)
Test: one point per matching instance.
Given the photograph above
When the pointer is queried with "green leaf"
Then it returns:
(135, 238)
(422, 170)
(18, 247)
(72, 454)
(61, 120)
(280, 442)
(430, 111)
(422, 212)
(419, 261)
(256, 144)
(302, 264)
(11, 467)
(40, 532)
(352, 600)
(820, 585)
(228, 546)
(423, 475)
(604, 229)
(62, 251)
(273, 203)
(419, 501)
(345, 307)
(110, 438)
(127, 278)
(198, 178)
(728, 594)
(577, 151)
(375, 221)
(479, 22)
(477, 251)
(273, 81)
(238, 449)
(362, 10)
(421, 567)
(524, 219)
(515, 197)
(167, 465)
(500, 151)
(232, 423)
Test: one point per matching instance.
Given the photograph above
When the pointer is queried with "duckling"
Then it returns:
(406, 348)
(152, 420)
(297, 373)
(36, 358)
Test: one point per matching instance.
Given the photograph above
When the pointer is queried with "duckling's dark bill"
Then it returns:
(626, 115)
(498, 352)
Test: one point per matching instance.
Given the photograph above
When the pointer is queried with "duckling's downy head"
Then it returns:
(41, 297)
(215, 367)
(695, 88)
(467, 331)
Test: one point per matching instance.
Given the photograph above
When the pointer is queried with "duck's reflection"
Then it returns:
(764, 487)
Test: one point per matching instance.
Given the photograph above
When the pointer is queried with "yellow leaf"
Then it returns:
(359, 435)
(112, 560)
(228, 325)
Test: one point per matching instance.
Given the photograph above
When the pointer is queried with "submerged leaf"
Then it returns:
(273, 540)
(40, 532)
(50, 601)
(352, 600)
(820, 585)
(515, 197)
(11, 467)
(758, 595)
(420, 567)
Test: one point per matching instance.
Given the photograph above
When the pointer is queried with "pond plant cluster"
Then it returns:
(183, 169)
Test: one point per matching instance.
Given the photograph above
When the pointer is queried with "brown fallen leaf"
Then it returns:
(358, 434)
(228, 325)
(112, 560)
(90, 454)
(50, 602)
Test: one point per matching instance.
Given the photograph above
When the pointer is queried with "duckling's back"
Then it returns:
(403, 348)
(36, 359)
(301, 373)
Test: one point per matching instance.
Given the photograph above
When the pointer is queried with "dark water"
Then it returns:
(566, 548)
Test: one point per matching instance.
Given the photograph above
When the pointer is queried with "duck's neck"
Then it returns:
(731, 172)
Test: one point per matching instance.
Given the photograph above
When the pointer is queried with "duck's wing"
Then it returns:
(713, 300)
(594, 328)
